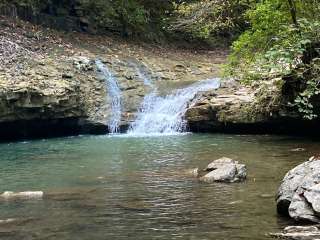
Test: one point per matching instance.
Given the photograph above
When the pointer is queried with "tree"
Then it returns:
(293, 12)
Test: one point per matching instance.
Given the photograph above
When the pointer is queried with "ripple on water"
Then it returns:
(124, 187)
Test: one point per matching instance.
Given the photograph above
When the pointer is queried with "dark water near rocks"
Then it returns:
(102, 187)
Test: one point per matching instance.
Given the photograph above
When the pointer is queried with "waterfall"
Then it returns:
(164, 115)
(114, 93)
(141, 70)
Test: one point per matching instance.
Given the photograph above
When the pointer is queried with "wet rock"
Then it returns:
(299, 233)
(299, 193)
(22, 195)
(224, 170)
(193, 172)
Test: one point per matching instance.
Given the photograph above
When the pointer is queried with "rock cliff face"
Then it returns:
(238, 109)
(50, 86)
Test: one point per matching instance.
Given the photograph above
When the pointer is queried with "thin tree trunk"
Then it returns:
(293, 12)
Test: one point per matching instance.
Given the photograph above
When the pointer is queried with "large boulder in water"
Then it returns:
(224, 170)
(299, 193)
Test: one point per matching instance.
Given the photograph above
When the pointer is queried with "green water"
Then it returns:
(101, 187)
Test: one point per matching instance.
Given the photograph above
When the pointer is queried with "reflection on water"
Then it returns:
(134, 188)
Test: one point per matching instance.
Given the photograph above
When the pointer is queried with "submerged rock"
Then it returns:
(297, 150)
(6, 221)
(192, 172)
(299, 193)
(15, 221)
(224, 170)
(22, 195)
(298, 233)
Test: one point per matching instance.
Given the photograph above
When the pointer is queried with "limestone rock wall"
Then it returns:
(238, 109)
(49, 84)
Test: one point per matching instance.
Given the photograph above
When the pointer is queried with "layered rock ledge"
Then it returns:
(50, 86)
(238, 109)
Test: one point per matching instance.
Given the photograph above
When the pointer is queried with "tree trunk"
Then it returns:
(293, 12)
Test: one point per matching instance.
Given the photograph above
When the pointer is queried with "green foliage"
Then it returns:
(129, 17)
(276, 44)
(304, 100)
(35, 5)
(210, 20)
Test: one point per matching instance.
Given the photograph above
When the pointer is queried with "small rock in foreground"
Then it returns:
(22, 195)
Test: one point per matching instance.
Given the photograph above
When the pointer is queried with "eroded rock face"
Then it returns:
(237, 109)
(50, 86)
(224, 170)
(299, 193)
(216, 109)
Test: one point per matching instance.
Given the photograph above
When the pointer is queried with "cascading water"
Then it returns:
(141, 71)
(164, 115)
(114, 94)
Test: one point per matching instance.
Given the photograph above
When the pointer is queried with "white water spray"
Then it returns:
(164, 115)
(114, 94)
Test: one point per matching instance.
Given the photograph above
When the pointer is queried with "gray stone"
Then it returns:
(224, 170)
(295, 178)
(241, 172)
(299, 193)
(22, 195)
(218, 163)
(225, 173)
(300, 210)
(312, 195)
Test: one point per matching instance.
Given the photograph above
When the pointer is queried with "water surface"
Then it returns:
(104, 187)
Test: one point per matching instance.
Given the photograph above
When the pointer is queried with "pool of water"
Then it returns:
(117, 187)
